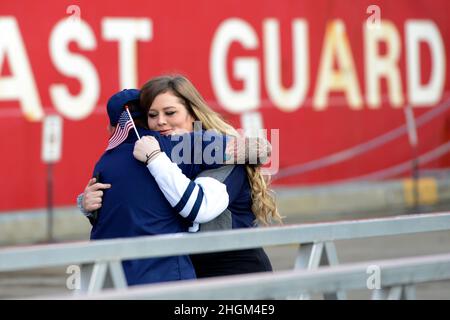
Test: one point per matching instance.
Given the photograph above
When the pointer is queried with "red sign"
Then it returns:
(332, 76)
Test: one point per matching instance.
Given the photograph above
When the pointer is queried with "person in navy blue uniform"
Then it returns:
(133, 205)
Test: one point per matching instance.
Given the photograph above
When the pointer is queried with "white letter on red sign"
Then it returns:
(245, 69)
(74, 65)
(336, 45)
(127, 32)
(286, 99)
(382, 66)
(20, 85)
(424, 31)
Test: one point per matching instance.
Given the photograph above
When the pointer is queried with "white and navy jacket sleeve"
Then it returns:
(199, 201)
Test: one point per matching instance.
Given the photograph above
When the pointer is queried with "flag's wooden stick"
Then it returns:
(132, 121)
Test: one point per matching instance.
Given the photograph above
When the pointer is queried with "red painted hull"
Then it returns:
(182, 39)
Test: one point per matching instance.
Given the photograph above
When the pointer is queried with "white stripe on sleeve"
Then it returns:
(199, 201)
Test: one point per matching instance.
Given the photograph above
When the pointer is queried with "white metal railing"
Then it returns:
(101, 259)
(397, 280)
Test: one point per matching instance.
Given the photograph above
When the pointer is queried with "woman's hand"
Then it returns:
(146, 149)
(248, 150)
(92, 196)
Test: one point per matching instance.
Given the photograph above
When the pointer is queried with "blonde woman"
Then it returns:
(173, 104)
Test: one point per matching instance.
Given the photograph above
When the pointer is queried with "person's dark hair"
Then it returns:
(139, 117)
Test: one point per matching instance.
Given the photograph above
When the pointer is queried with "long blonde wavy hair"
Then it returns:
(263, 200)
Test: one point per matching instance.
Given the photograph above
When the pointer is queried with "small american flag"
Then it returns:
(123, 126)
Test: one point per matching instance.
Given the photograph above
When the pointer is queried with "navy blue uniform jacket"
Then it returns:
(135, 206)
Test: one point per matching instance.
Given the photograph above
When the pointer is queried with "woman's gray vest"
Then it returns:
(223, 221)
